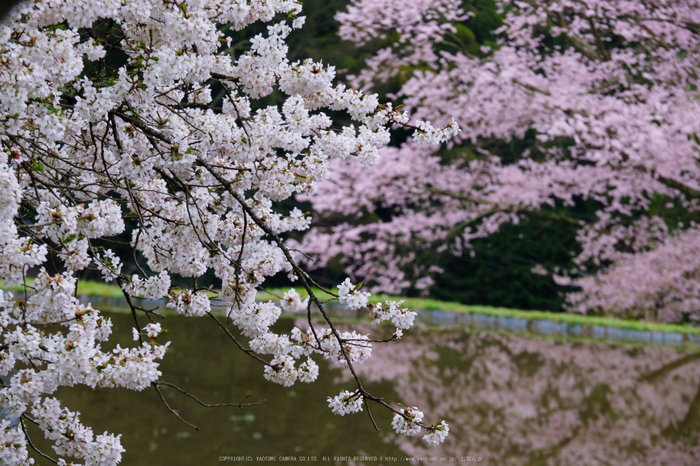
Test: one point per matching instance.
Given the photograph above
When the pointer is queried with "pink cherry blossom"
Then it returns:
(608, 91)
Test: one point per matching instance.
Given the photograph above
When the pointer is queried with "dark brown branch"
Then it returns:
(175, 413)
(207, 405)
(689, 191)
(137, 123)
(31, 444)
(235, 340)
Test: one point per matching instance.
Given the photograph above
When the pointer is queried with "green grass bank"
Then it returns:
(87, 288)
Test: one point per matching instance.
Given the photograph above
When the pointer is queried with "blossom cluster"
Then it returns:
(154, 287)
(345, 403)
(65, 359)
(355, 347)
(72, 438)
(402, 318)
(110, 124)
(351, 295)
(409, 421)
(291, 302)
(190, 304)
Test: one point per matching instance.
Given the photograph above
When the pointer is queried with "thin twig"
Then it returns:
(235, 340)
(31, 444)
(162, 398)
(208, 405)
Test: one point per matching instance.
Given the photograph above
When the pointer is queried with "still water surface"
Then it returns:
(509, 399)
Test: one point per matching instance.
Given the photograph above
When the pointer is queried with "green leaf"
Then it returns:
(37, 166)
(464, 33)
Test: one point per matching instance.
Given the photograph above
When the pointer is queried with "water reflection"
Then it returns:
(507, 398)
(515, 400)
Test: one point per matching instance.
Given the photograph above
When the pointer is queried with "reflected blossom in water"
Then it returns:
(517, 400)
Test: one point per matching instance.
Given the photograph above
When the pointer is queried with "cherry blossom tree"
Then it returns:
(603, 98)
(133, 118)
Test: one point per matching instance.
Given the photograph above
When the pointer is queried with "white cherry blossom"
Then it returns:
(144, 149)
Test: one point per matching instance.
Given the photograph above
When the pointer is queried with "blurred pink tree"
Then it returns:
(607, 95)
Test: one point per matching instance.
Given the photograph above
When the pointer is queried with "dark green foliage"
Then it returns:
(500, 274)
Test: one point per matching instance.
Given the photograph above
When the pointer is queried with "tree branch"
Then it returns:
(689, 191)
(207, 405)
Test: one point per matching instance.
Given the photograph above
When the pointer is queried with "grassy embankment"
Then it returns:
(113, 291)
